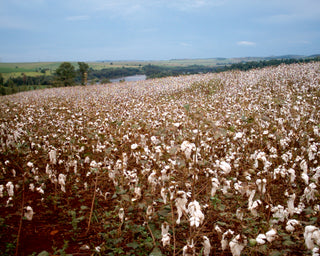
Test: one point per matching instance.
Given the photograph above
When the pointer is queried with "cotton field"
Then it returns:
(212, 164)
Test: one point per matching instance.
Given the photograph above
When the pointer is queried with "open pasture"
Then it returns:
(214, 164)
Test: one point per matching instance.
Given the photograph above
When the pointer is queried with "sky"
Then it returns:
(91, 30)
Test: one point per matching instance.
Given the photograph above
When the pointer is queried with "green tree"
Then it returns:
(84, 69)
(65, 75)
(1, 79)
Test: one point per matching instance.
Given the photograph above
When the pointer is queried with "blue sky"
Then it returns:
(88, 30)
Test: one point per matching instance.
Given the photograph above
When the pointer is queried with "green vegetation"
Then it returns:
(83, 69)
(65, 75)
(17, 77)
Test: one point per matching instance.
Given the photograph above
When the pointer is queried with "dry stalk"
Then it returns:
(153, 239)
(93, 199)
(173, 229)
(21, 218)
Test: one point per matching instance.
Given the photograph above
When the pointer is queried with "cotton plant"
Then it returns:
(280, 213)
(312, 237)
(165, 235)
(29, 213)
(189, 249)
(237, 244)
(196, 216)
(121, 215)
(215, 185)
(269, 236)
(261, 185)
(309, 193)
(180, 203)
(10, 188)
(226, 238)
(1, 190)
(291, 225)
(187, 147)
(62, 182)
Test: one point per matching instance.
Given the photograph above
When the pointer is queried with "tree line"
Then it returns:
(67, 75)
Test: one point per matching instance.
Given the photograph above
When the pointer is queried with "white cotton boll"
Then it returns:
(187, 147)
(305, 177)
(10, 189)
(279, 214)
(271, 235)
(87, 160)
(121, 215)
(8, 202)
(225, 167)
(315, 251)
(261, 184)
(226, 186)
(31, 187)
(309, 192)
(150, 211)
(163, 194)
(251, 194)
(261, 239)
(206, 246)
(238, 135)
(30, 164)
(254, 207)
(134, 146)
(316, 130)
(1, 190)
(291, 224)
(53, 156)
(137, 194)
(290, 204)
(237, 244)
(29, 213)
(181, 202)
(94, 164)
(311, 236)
(239, 214)
(312, 151)
(304, 166)
(188, 250)
(215, 186)
(225, 237)
(292, 175)
(165, 240)
(153, 180)
(165, 228)
(62, 181)
(217, 229)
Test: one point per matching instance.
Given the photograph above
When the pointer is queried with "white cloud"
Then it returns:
(246, 43)
(78, 18)
(184, 44)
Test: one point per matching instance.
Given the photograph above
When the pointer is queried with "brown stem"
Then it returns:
(20, 224)
(173, 229)
(153, 239)
(93, 199)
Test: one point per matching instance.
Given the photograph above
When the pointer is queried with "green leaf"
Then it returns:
(133, 245)
(164, 212)
(156, 252)
(84, 207)
(288, 243)
(276, 253)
